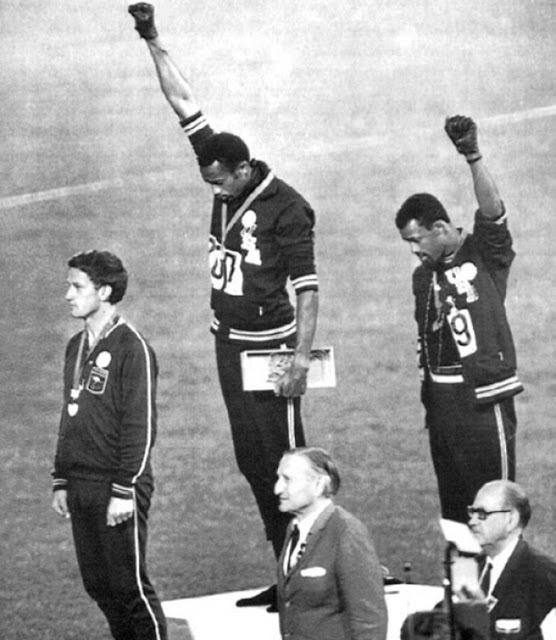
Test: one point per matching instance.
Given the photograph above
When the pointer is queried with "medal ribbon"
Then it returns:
(237, 215)
(80, 360)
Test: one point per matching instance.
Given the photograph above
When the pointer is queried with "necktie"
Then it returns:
(294, 539)
(485, 579)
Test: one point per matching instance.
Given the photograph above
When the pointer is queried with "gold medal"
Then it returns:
(73, 408)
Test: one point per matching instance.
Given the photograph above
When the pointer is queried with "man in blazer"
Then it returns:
(330, 584)
(520, 585)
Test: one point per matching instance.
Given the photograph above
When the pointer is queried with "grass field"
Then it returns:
(346, 102)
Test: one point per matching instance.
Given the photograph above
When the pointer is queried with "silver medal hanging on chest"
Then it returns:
(73, 407)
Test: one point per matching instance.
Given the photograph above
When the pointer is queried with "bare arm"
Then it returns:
(175, 87)
(462, 131)
(294, 382)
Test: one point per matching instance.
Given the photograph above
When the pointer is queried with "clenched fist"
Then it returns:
(144, 19)
(462, 131)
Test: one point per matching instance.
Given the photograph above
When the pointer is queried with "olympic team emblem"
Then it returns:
(248, 240)
(462, 277)
(98, 379)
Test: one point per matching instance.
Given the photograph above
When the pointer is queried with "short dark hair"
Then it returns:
(321, 462)
(517, 499)
(103, 268)
(226, 148)
(424, 208)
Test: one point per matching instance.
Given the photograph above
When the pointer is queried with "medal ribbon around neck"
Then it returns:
(80, 362)
(237, 215)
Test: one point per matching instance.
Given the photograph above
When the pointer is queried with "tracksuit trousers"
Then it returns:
(259, 425)
(112, 560)
(470, 444)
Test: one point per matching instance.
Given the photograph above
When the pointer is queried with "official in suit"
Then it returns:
(518, 582)
(329, 579)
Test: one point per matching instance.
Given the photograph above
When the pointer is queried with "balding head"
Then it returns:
(512, 495)
(499, 514)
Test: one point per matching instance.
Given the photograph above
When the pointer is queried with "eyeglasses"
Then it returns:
(482, 514)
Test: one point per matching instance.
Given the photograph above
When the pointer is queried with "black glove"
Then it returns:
(462, 131)
(144, 19)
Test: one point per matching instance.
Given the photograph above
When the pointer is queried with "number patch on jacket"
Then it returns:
(463, 332)
(225, 269)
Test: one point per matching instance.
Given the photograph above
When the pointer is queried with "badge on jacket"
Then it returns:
(98, 377)
(508, 625)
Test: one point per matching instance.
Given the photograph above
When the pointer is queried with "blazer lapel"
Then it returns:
(312, 538)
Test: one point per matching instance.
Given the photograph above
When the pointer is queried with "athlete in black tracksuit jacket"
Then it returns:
(468, 364)
(106, 434)
(466, 351)
(271, 242)
(261, 237)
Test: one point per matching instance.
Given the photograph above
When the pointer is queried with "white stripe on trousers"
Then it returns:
(502, 441)
(138, 569)
(291, 424)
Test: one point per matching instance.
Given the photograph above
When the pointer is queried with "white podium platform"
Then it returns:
(216, 616)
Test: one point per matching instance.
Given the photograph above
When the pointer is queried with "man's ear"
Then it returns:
(439, 227)
(322, 485)
(104, 292)
(243, 169)
(513, 520)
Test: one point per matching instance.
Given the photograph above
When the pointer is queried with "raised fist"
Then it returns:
(462, 131)
(144, 19)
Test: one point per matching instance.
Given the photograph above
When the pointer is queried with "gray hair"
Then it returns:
(322, 463)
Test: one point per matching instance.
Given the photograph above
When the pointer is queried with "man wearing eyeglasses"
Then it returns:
(518, 582)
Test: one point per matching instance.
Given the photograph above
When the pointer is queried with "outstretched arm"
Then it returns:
(174, 85)
(462, 131)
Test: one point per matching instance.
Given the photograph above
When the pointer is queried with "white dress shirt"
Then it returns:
(304, 524)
